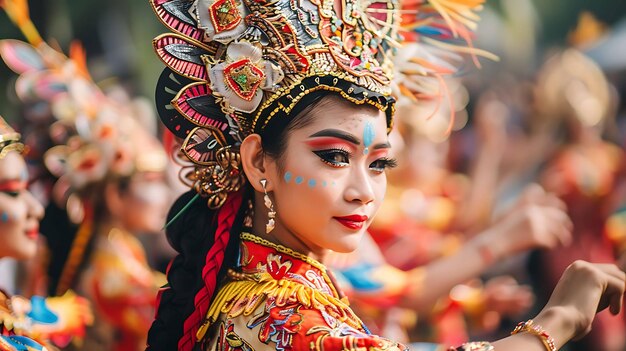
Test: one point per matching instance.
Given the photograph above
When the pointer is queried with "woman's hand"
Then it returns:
(507, 297)
(537, 220)
(584, 289)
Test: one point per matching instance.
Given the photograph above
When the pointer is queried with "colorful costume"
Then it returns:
(98, 140)
(584, 173)
(123, 288)
(42, 323)
(29, 324)
(240, 67)
(278, 297)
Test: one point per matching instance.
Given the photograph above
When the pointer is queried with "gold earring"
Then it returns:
(270, 206)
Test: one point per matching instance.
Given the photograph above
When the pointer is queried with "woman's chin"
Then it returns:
(347, 244)
(24, 252)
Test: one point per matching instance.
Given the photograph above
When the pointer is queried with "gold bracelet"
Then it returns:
(530, 327)
(474, 346)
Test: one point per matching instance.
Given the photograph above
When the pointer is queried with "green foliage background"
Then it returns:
(117, 35)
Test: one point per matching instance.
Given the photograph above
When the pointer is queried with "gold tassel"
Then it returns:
(245, 296)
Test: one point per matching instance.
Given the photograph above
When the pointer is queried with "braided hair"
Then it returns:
(208, 241)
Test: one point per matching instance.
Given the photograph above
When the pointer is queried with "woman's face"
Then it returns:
(145, 203)
(331, 179)
(20, 212)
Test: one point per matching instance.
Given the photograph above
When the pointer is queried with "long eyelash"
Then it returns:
(340, 149)
(322, 153)
(388, 163)
(12, 193)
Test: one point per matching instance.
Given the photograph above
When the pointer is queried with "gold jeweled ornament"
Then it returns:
(225, 15)
(256, 60)
(270, 206)
(244, 78)
(9, 139)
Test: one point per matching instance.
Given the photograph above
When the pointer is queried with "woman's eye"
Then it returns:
(382, 164)
(335, 158)
(12, 193)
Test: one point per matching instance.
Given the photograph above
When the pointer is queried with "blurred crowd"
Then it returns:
(529, 168)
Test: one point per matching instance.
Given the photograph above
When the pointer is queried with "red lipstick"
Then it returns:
(354, 222)
(33, 233)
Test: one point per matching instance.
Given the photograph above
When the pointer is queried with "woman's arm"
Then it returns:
(531, 226)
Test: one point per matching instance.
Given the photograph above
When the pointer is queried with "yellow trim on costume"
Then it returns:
(247, 291)
(282, 249)
(287, 251)
(256, 289)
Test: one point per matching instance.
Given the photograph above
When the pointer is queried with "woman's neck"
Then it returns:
(282, 236)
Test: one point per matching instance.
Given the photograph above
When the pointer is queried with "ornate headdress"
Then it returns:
(236, 67)
(571, 85)
(10, 140)
(94, 136)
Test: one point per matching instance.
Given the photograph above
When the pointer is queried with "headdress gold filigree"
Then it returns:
(236, 67)
(10, 140)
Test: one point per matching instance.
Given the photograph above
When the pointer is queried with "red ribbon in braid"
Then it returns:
(214, 260)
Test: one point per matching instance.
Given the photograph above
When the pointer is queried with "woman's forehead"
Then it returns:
(12, 166)
(348, 117)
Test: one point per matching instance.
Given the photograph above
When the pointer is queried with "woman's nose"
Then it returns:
(360, 188)
(35, 208)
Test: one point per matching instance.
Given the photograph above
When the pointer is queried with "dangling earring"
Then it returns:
(270, 206)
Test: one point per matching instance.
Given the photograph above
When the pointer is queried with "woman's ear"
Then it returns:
(253, 161)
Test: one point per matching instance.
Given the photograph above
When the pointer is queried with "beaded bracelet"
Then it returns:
(530, 327)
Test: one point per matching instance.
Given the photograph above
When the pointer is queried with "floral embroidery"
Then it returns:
(336, 328)
(231, 341)
(278, 324)
(280, 299)
(277, 268)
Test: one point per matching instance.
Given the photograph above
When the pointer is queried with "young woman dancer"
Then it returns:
(283, 109)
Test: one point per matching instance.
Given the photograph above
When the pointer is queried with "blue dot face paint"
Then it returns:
(311, 183)
(368, 136)
(4, 217)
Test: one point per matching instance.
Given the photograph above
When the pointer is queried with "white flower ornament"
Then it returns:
(243, 76)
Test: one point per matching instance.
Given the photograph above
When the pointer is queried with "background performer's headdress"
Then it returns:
(94, 136)
(236, 67)
(10, 140)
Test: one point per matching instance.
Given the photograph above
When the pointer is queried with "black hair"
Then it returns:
(61, 235)
(193, 235)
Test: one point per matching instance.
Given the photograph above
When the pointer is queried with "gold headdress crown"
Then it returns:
(237, 66)
(10, 140)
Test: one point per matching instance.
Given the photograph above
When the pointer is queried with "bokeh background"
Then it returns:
(117, 35)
